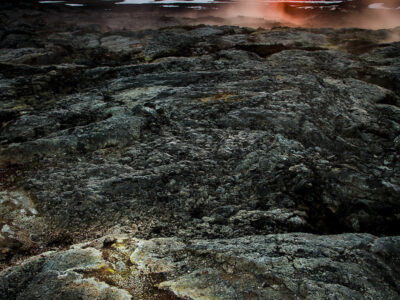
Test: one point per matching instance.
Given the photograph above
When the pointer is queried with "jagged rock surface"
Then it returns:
(279, 266)
(200, 132)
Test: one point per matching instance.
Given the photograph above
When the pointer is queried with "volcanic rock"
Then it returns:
(237, 162)
(278, 266)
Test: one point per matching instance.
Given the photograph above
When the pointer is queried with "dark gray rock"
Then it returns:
(201, 132)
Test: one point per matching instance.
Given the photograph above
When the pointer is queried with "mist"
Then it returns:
(361, 14)
(366, 14)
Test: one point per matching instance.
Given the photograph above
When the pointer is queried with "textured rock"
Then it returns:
(64, 277)
(306, 131)
(198, 132)
(295, 266)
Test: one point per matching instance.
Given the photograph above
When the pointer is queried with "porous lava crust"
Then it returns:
(197, 162)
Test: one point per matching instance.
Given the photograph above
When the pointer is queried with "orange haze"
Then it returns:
(360, 16)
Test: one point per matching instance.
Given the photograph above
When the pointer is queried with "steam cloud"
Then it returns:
(357, 13)
(257, 13)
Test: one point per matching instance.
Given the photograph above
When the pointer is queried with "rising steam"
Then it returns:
(266, 14)
(357, 13)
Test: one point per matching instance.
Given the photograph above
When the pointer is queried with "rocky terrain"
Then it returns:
(197, 162)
